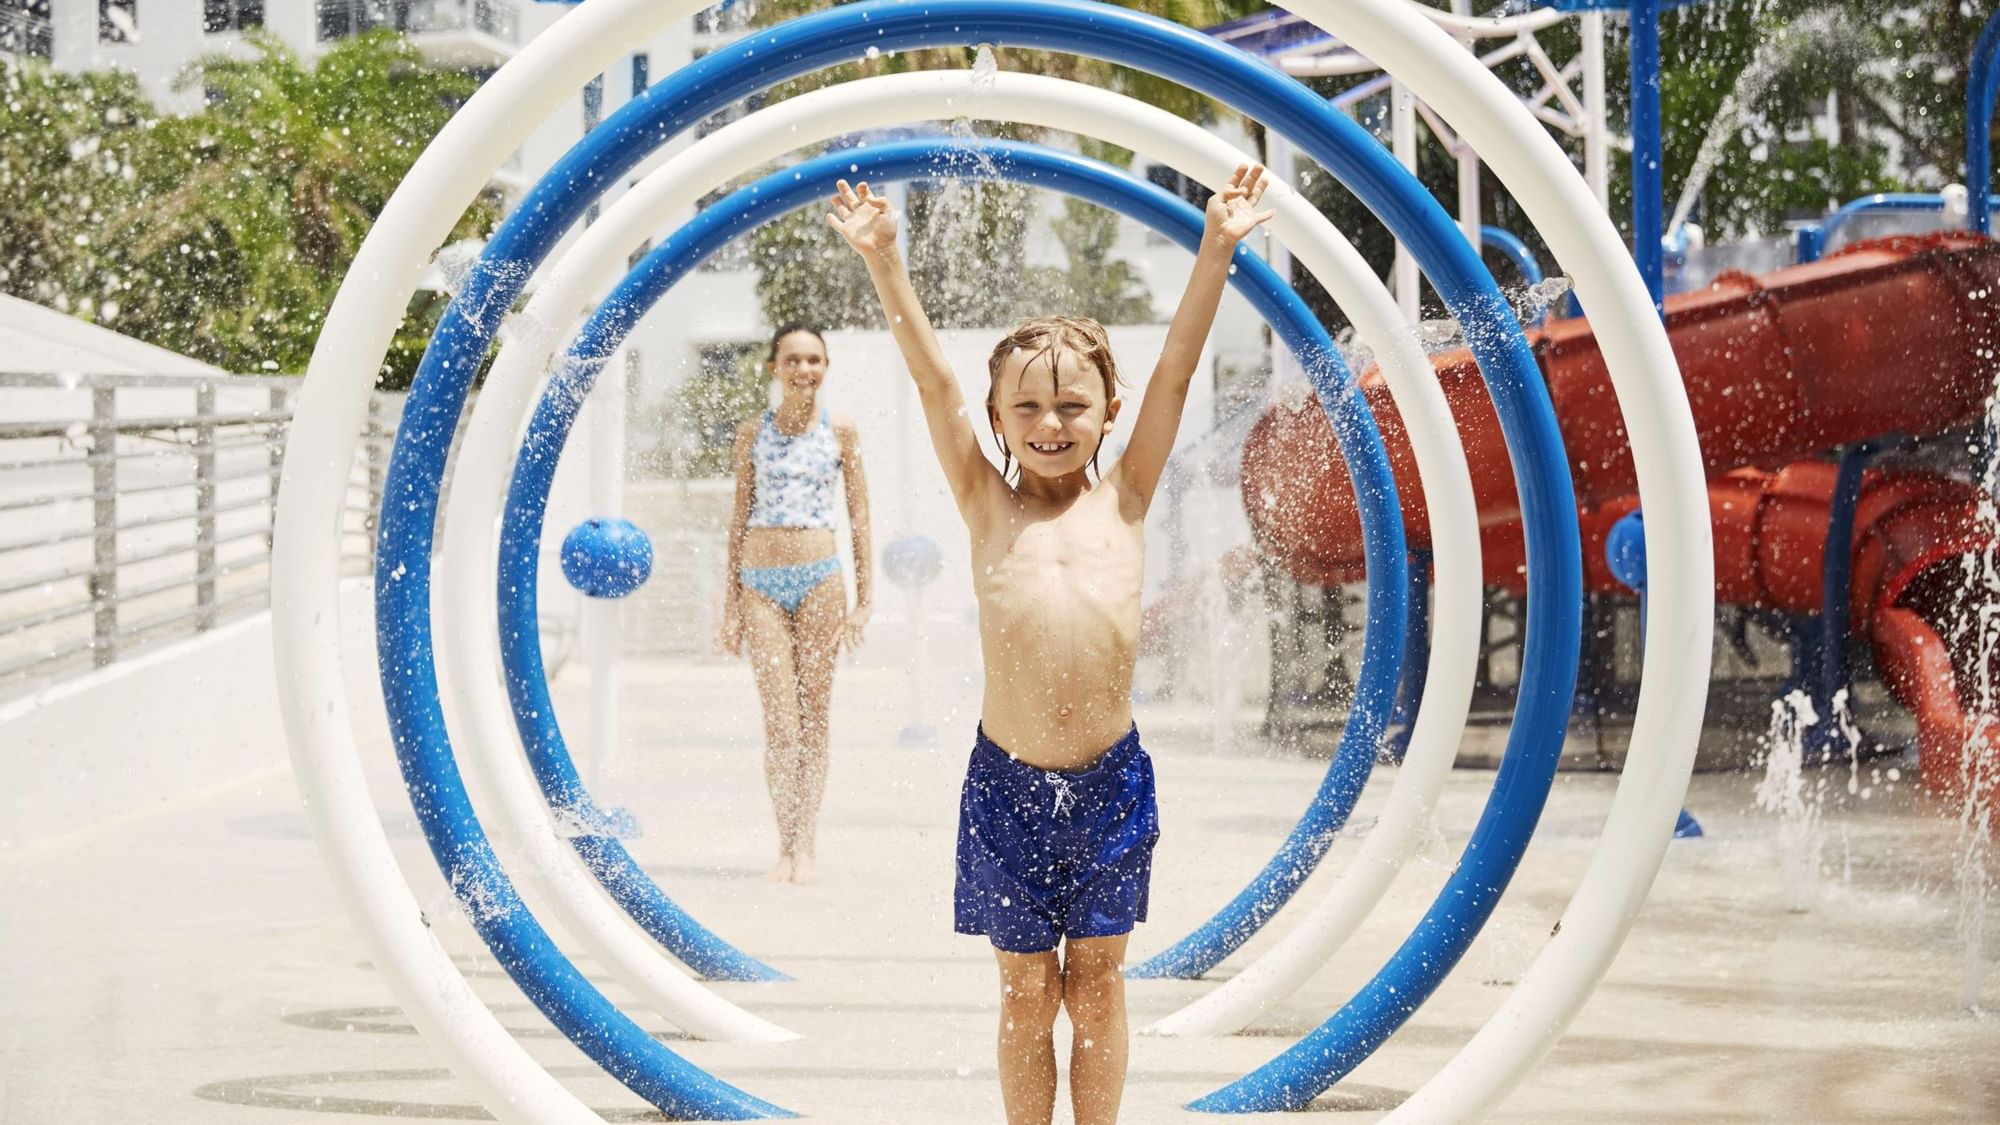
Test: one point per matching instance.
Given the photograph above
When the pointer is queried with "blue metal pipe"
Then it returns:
(1813, 238)
(1416, 660)
(1836, 569)
(1981, 88)
(1515, 250)
(1178, 54)
(1646, 203)
(809, 183)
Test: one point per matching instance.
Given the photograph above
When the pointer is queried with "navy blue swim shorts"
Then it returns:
(1049, 854)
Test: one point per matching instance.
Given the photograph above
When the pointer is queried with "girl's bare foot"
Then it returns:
(804, 870)
(782, 873)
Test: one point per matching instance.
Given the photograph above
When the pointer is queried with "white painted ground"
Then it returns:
(190, 964)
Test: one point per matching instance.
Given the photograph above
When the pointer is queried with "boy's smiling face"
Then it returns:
(1051, 408)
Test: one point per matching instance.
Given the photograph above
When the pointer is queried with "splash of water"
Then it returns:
(985, 71)
(1536, 298)
(1978, 757)
(1843, 719)
(1817, 34)
(1786, 791)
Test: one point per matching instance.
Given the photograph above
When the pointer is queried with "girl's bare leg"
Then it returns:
(816, 630)
(1094, 992)
(768, 632)
(1031, 993)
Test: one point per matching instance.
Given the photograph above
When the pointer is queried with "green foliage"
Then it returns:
(806, 274)
(1772, 170)
(222, 234)
(966, 241)
(71, 150)
(697, 428)
(1095, 284)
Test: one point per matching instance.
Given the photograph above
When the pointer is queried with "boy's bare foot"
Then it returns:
(782, 873)
(804, 870)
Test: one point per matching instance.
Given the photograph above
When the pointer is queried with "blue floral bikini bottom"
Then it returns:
(788, 586)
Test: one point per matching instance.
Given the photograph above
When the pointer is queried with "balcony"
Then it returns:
(25, 31)
(455, 33)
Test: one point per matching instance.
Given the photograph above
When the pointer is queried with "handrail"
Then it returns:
(200, 524)
(96, 380)
(78, 427)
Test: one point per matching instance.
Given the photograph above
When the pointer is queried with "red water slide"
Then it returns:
(1897, 336)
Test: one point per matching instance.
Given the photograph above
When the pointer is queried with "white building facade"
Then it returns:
(713, 313)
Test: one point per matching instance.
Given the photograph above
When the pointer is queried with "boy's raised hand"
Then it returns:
(862, 218)
(1232, 212)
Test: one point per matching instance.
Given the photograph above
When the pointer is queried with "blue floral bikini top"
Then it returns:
(795, 475)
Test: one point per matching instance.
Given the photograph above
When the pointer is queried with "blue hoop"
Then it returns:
(1179, 54)
(1353, 425)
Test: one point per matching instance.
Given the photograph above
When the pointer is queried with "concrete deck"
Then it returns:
(190, 964)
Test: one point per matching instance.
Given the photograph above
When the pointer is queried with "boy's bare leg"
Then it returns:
(1031, 993)
(768, 633)
(1094, 993)
(816, 630)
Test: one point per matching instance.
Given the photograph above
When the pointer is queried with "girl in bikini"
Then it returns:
(785, 596)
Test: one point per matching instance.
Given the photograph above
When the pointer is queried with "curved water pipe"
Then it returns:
(548, 429)
(452, 170)
(305, 579)
(606, 245)
(1513, 249)
(1982, 87)
(1646, 805)
(816, 40)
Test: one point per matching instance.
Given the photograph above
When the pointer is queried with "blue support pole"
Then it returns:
(1647, 219)
(1829, 672)
(1416, 660)
(1981, 88)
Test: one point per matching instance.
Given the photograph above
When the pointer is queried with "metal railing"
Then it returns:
(26, 33)
(137, 509)
(341, 18)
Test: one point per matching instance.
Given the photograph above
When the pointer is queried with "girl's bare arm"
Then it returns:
(1232, 213)
(865, 221)
(857, 516)
(739, 526)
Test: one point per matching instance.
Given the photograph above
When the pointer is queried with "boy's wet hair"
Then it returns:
(787, 329)
(1050, 336)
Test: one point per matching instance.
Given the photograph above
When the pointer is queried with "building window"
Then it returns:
(642, 77)
(231, 15)
(25, 28)
(117, 21)
(725, 19)
(732, 255)
(593, 103)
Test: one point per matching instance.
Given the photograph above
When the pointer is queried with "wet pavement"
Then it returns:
(191, 964)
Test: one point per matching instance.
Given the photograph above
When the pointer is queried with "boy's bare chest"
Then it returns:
(1085, 556)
